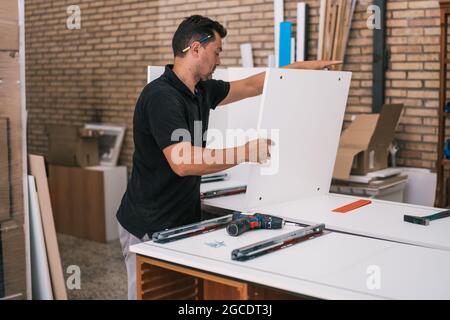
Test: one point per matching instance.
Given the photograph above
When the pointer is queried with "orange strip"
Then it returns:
(352, 206)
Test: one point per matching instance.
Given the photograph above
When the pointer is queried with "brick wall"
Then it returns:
(97, 72)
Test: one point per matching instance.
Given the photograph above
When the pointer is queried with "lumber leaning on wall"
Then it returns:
(37, 169)
(334, 28)
(13, 283)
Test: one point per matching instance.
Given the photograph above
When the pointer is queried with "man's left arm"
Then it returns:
(253, 86)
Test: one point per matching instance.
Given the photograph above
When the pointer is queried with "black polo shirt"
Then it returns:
(156, 198)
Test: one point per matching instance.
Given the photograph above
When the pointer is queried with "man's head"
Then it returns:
(198, 43)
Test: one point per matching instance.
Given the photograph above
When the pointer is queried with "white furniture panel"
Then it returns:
(303, 112)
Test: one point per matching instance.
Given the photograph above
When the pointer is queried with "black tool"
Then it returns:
(242, 223)
(214, 178)
(223, 192)
(190, 230)
(280, 242)
(425, 221)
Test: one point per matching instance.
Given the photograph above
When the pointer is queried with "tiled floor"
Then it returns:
(103, 273)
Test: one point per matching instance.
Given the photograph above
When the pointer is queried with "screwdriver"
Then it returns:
(242, 223)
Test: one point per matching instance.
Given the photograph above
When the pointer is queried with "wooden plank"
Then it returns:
(10, 108)
(340, 12)
(323, 9)
(37, 169)
(265, 293)
(13, 283)
(9, 10)
(183, 282)
(9, 35)
(9, 25)
(12, 232)
(326, 36)
(13, 235)
(348, 26)
(191, 272)
(217, 291)
(5, 183)
(333, 26)
(154, 282)
(179, 294)
(330, 29)
(336, 17)
(163, 282)
(77, 197)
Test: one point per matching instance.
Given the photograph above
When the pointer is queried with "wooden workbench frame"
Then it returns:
(161, 280)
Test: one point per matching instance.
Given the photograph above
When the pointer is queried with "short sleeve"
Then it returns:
(216, 91)
(167, 120)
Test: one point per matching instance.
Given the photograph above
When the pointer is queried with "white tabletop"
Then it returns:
(333, 266)
(381, 219)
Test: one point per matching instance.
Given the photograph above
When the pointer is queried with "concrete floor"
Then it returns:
(103, 273)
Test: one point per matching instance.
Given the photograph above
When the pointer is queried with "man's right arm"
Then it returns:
(187, 160)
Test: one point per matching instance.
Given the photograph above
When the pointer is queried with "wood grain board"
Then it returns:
(334, 28)
(5, 184)
(77, 197)
(37, 169)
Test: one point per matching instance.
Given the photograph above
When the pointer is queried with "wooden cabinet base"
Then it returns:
(158, 280)
(85, 200)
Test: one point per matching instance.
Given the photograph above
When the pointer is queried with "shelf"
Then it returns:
(446, 162)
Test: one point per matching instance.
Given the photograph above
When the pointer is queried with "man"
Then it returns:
(164, 188)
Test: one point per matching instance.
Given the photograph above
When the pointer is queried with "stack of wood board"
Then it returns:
(334, 28)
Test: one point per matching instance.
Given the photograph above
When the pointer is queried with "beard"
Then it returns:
(208, 76)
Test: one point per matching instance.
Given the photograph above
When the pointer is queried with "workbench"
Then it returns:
(411, 261)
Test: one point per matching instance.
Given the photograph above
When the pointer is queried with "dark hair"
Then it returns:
(194, 28)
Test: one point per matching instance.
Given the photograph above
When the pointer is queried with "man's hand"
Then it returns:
(258, 150)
